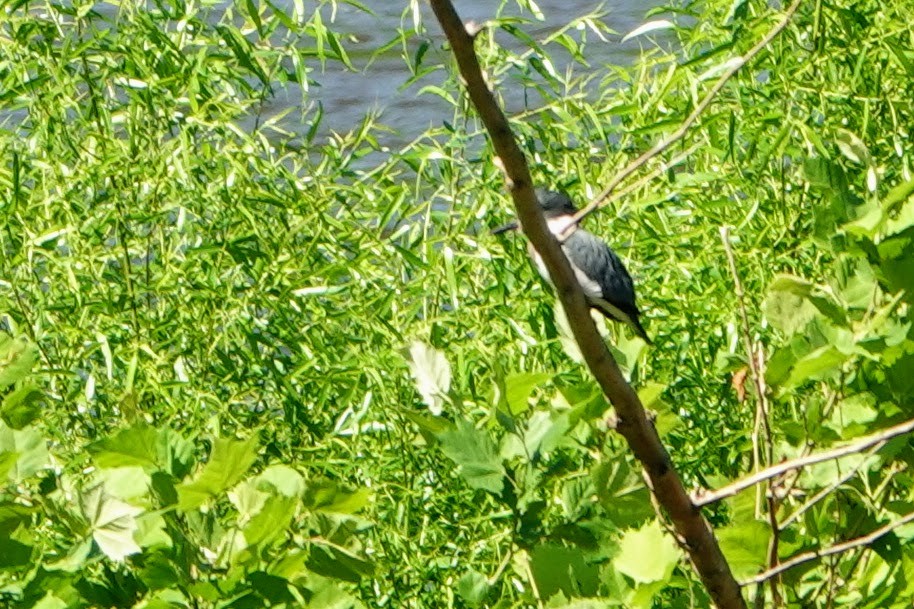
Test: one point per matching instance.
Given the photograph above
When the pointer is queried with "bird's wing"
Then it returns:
(613, 286)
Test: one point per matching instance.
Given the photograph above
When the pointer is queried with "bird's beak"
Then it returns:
(505, 228)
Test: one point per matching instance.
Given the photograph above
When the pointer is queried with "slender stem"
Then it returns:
(659, 147)
(781, 468)
(828, 490)
(756, 362)
(838, 548)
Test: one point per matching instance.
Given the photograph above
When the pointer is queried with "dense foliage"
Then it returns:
(245, 363)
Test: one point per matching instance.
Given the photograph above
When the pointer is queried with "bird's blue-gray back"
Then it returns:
(586, 251)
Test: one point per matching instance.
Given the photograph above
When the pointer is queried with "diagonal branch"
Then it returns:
(782, 468)
(838, 548)
(735, 64)
(633, 423)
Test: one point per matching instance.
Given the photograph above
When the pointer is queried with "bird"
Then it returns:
(607, 286)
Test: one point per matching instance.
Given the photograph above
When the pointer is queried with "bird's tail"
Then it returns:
(639, 330)
(616, 314)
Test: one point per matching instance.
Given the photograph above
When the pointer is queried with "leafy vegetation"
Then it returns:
(245, 364)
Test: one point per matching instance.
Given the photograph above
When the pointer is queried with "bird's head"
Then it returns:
(553, 203)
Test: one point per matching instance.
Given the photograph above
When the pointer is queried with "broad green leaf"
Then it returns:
(282, 479)
(473, 587)
(898, 195)
(538, 426)
(112, 522)
(786, 310)
(139, 445)
(50, 601)
(12, 516)
(854, 415)
(327, 496)
(272, 519)
(432, 374)
(228, 462)
(647, 554)
(897, 264)
(563, 569)
(23, 452)
(333, 561)
(429, 424)
(621, 493)
(151, 531)
(247, 499)
(7, 462)
(125, 482)
(474, 452)
(328, 595)
(22, 406)
(815, 366)
(820, 297)
(14, 554)
(17, 356)
(75, 559)
(518, 388)
(902, 220)
(745, 545)
(868, 223)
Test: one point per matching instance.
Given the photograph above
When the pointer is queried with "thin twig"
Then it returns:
(655, 173)
(659, 147)
(830, 551)
(786, 466)
(761, 412)
(756, 359)
(828, 490)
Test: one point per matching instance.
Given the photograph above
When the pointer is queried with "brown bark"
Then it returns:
(633, 423)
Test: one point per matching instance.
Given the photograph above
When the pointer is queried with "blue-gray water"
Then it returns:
(378, 82)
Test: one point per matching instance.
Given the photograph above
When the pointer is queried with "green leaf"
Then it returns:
(816, 365)
(229, 461)
(745, 545)
(650, 26)
(475, 454)
(622, 493)
(281, 479)
(247, 499)
(125, 482)
(786, 310)
(50, 601)
(327, 496)
(17, 357)
(899, 194)
(901, 220)
(134, 446)
(22, 406)
(112, 522)
(22, 452)
(518, 388)
(557, 568)
(647, 554)
(538, 426)
(14, 554)
(473, 587)
(272, 520)
(333, 561)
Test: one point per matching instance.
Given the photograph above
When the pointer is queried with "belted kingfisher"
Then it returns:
(607, 285)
